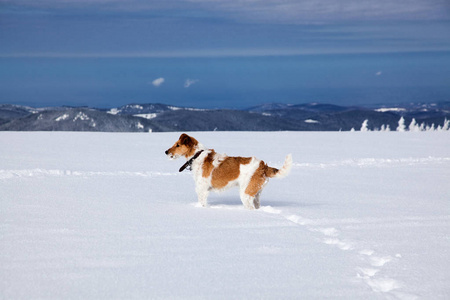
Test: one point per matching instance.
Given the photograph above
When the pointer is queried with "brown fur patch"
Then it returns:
(270, 172)
(227, 171)
(257, 180)
(208, 164)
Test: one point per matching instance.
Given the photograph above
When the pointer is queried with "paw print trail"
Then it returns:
(369, 272)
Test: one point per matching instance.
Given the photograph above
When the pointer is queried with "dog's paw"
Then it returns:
(198, 204)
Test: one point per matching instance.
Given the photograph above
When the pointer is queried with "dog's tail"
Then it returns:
(283, 172)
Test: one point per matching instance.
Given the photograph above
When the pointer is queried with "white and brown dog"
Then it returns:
(214, 171)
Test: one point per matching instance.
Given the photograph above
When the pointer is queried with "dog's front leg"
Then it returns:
(202, 188)
(202, 194)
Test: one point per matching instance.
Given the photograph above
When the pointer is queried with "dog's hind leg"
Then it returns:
(253, 191)
(256, 203)
(247, 200)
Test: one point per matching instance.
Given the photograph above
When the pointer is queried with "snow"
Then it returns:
(186, 108)
(195, 109)
(363, 215)
(81, 116)
(147, 116)
(401, 125)
(387, 109)
(364, 125)
(113, 111)
(63, 117)
(311, 121)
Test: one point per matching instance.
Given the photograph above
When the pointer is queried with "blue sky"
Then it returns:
(223, 53)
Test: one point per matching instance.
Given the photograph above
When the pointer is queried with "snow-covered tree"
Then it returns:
(413, 126)
(385, 127)
(401, 125)
(422, 126)
(446, 124)
(364, 125)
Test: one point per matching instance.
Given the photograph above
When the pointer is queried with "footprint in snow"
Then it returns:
(298, 220)
(380, 261)
(330, 231)
(270, 210)
(384, 285)
(367, 274)
(340, 244)
(367, 252)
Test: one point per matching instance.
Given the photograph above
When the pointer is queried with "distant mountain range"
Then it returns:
(267, 117)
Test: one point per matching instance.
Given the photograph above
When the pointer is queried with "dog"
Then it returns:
(216, 172)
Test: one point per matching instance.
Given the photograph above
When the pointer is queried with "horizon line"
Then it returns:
(214, 54)
(233, 108)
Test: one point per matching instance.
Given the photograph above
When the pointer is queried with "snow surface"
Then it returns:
(363, 215)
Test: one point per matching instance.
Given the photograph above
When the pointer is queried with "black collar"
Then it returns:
(189, 162)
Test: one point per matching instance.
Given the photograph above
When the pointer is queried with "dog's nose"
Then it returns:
(167, 152)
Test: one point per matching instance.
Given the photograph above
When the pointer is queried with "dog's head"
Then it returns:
(185, 146)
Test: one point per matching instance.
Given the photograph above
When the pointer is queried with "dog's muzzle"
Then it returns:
(170, 155)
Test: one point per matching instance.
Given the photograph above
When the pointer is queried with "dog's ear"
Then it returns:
(185, 139)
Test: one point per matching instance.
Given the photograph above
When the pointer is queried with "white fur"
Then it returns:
(286, 168)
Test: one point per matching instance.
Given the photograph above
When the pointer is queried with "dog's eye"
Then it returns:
(178, 145)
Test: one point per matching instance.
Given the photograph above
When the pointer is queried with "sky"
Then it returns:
(223, 53)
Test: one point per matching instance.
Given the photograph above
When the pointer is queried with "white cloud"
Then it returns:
(378, 73)
(278, 11)
(158, 81)
(306, 11)
(190, 82)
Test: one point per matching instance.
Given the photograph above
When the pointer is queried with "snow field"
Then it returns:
(98, 215)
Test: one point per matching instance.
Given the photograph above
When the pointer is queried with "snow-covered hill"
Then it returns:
(107, 215)
(268, 117)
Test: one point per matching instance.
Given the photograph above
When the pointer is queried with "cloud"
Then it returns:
(190, 82)
(158, 81)
(306, 11)
(238, 22)
(378, 73)
(278, 11)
